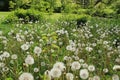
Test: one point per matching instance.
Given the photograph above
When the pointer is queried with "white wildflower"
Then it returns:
(25, 47)
(115, 77)
(69, 76)
(116, 67)
(14, 56)
(75, 65)
(6, 54)
(96, 78)
(26, 76)
(91, 68)
(37, 50)
(55, 73)
(84, 74)
(59, 65)
(29, 60)
(36, 69)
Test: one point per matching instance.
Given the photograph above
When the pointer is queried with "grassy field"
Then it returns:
(4, 14)
(58, 50)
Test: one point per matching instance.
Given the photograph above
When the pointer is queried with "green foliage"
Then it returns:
(69, 8)
(14, 4)
(70, 17)
(83, 11)
(107, 13)
(8, 79)
(11, 18)
(70, 20)
(41, 6)
(25, 16)
(116, 7)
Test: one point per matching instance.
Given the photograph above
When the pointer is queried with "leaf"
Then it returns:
(8, 79)
(55, 46)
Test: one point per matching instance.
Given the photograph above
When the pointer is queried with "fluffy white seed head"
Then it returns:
(29, 60)
(69, 76)
(26, 76)
(59, 65)
(96, 78)
(115, 77)
(25, 47)
(37, 50)
(91, 68)
(84, 74)
(55, 73)
(75, 65)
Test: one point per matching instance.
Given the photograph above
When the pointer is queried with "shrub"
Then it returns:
(30, 15)
(81, 11)
(107, 13)
(42, 6)
(116, 7)
(15, 4)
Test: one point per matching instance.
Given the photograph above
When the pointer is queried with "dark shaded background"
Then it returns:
(4, 5)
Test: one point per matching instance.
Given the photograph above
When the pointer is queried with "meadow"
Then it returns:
(57, 49)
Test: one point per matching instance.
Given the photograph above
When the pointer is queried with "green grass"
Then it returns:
(4, 27)
(47, 32)
(4, 14)
(52, 18)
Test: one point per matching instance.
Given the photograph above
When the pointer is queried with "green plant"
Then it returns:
(71, 20)
(116, 7)
(21, 15)
(11, 18)
(107, 13)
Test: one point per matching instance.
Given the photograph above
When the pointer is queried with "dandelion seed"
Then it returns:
(59, 65)
(14, 56)
(89, 49)
(36, 70)
(37, 50)
(85, 65)
(26, 76)
(81, 61)
(75, 65)
(105, 70)
(55, 73)
(2, 64)
(96, 78)
(5, 69)
(116, 67)
(29, 60)
(91, 68)
(25, 47)
(115, 77)
(69, 76)
(6, 54)
(42, 63)
(84, 74)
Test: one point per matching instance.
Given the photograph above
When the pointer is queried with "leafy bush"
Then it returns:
(83, 11)
(42, 6)
(25, 16)
(107, 13)
(15, 4)
(116, 7)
